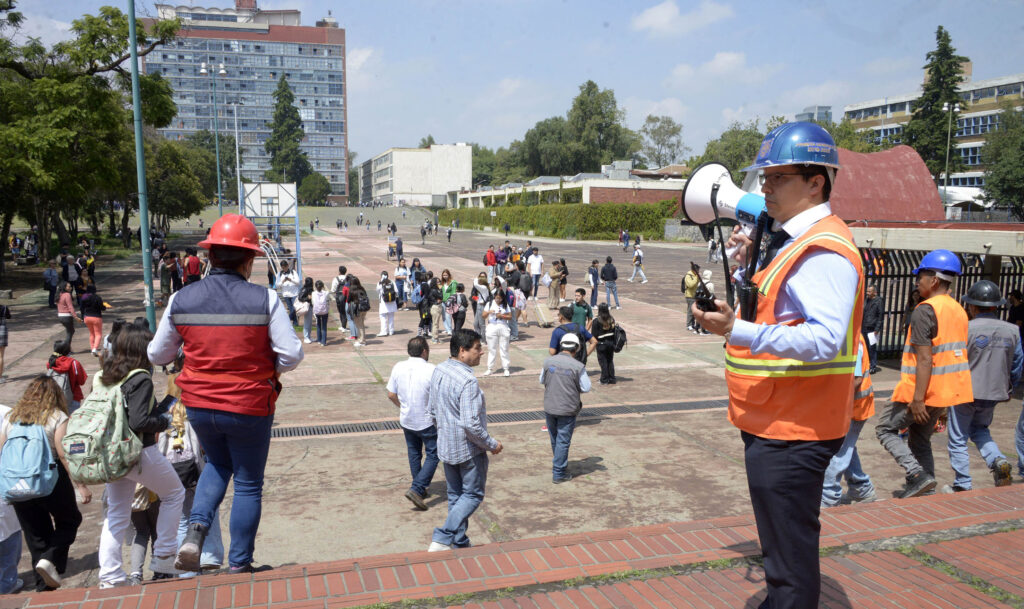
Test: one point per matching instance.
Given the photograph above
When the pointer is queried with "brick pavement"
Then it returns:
(647, 566)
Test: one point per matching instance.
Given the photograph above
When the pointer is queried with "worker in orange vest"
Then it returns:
(790, 358)
(846, 462)
(934, 374)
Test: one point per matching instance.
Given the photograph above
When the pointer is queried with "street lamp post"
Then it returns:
(216, 130)
(949, 110)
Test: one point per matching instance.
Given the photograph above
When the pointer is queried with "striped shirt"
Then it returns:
(460, 413)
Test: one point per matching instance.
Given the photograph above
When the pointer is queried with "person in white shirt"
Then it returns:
(337, 287)
(288, 282)
(409, 388)
(385, 308)
(536, 264)
(638, 265)
(497, 314)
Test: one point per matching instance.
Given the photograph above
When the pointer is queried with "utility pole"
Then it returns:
(140, 170)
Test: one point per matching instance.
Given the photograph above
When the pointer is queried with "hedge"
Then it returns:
(570, 221)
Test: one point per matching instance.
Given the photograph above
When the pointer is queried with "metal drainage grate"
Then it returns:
(306, 431)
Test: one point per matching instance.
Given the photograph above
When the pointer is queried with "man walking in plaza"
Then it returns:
(409, 389)
(609, 276)
(790, 360)
(638, 265)
(289, 284)
(564, 379)
(490, 260)
(935, 374)
(536, 263)
(237, 342)
(996, 360)
(582, 313)
(457, 406)
(871, 327)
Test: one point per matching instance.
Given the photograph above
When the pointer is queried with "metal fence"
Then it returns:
(891, 272)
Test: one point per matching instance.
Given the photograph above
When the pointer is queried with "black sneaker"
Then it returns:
(566, 478)
(917, 485)
(249, 568)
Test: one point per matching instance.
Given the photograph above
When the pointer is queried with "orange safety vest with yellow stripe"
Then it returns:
(864, 394)
(950, 383)
(788, 399)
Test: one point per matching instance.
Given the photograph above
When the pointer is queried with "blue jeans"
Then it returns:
(560, 429)
(321, 329)
(447, 319)
(466, 482)
(513, 325)
(846, 463)
(352, 332)
(422, 470)
(970, 422)
(10, 553)
(236, 446)
(611, 289)
(289, 302)
(400, 288)
(536, 284)
(638, 269)
(593, 297)
(213, 546)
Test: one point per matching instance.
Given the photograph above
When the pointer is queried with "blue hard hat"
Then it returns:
(797, 144)
(940, 261)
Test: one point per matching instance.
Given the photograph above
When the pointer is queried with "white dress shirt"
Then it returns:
(410, 380)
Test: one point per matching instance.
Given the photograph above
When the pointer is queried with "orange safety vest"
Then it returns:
(788, 399)
(864, 394)
(950, 383)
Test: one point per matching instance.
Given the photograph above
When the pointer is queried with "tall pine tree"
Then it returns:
(927, 131)
(288, 163)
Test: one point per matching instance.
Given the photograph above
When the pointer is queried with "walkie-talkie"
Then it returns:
(703, 297)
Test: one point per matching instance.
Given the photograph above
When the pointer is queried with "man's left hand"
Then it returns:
(717, 322)
(919, 411)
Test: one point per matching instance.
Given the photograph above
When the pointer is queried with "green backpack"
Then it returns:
(99, 445)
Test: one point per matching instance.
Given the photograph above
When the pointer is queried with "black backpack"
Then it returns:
(339, 296)
(485, 258)
(390, 295)
(619, 338)
(526, 283)
(361, 304)
(571, 328)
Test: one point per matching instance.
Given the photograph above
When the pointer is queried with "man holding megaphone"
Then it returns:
(790, 357)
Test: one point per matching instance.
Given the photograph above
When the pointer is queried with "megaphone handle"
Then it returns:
(730, 293)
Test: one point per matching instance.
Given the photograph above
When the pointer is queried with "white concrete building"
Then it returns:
(418, 176)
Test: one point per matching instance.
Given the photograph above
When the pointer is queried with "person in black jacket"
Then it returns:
(130, 366)
(872, 324)
(609, 276)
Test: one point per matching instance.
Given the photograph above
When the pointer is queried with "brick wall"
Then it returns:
(634, 195)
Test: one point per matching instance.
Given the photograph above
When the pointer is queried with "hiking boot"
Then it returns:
(917, 485)
(1002, 472)
(191, 548)
(416, 499)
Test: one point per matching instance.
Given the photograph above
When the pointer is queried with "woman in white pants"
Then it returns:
(386, 310)
(497, 314)
(130, 366)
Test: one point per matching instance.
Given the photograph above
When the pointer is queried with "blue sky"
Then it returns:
(487, 70)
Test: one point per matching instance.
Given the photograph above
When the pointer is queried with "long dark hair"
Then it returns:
(129, 354)
(60, 349)
(604, 316)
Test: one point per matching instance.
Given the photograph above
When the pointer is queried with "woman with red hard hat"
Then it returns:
(237, 340)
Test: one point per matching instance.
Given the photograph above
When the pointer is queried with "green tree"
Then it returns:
(483, 165)
(596, 129)
(547, 148)
(735, 148)
(928, 129)
(288, 163)
(427, 142)
(663, 140)
(204, 139)
(1003, 156)
(174, 189)
(353, 177)
(314, 188)
(508, 165)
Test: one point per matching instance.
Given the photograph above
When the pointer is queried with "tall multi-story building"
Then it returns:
(980, 106)
(257, 47)
(417, 176)
(822, 114)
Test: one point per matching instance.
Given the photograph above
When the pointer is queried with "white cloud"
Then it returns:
(48, 30)
(365, 69)
(665, 20)
(637, 109)
(726, 67)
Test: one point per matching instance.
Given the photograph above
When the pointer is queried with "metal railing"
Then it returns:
(891, 272)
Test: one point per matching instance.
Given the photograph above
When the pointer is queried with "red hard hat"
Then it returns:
(233, 230)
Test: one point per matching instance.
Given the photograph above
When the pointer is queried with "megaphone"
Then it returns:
(734, 203)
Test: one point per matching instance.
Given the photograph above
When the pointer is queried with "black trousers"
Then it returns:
(458, 320)
(50, 525)
(785, 480)
(606, 359)
(69, 327)
(872, 350)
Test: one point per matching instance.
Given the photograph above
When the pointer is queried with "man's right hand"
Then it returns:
(738, 238)
(497, 450)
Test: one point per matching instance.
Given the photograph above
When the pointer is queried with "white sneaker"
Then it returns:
(48, 572)
(489, 373)
(438, 547)
(630, 280)
(507, 373)
(108, 585)
(617, 308)
(307, 341)
(644, 281)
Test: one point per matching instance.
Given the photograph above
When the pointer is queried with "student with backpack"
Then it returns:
(10, 541)
(457, 308)
(435, 296)
(320, 310)
(358, 305)
(304, 308)
(448, 286)
(49, 522)
(387, 304)
(480, 297)
(68, 373)
(566, 326)
(126, 382)
(603, 328)
(339, 288)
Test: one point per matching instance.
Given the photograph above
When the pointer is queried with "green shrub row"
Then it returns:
(599, 221)
(536, 197)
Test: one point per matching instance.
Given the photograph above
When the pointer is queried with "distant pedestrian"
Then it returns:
(409, 388)
(625, 239)
(536, 263)
(459, 410)
(603, 329)
(609, 275)
(507, 228)
(711, 250)
(593, 280)
(423, 235)
(638, 265)
(321, 309)
(564, 379)
(449, 235)
(50, 280)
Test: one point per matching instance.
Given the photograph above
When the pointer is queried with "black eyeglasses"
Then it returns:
(776, 178)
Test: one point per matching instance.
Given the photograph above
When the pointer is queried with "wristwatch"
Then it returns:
(727, 336)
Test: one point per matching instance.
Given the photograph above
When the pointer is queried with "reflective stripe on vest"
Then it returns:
(219, 319)
(950, 382)
(788, 399)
